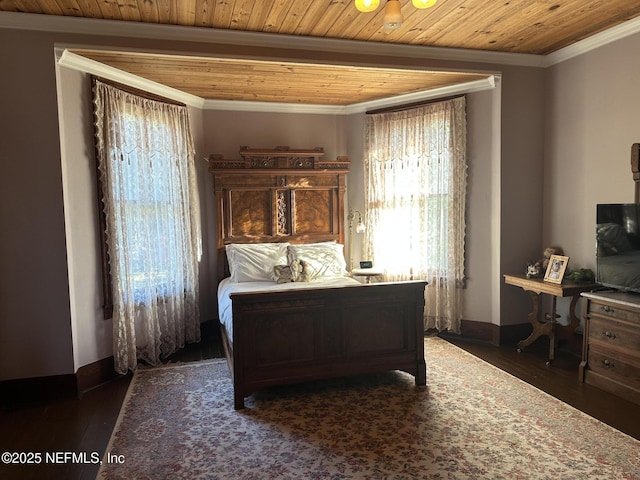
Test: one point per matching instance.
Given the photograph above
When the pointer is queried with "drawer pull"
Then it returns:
(609, 334)
(607, 309)
(607, 364)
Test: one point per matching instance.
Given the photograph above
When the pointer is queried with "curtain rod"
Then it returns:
(138, 92)
(409, 106)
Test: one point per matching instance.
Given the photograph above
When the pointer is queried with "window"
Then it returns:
(417, 200)
(415, 191)
(149, 213)
(151, 216)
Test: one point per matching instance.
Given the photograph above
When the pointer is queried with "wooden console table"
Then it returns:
(536, 287)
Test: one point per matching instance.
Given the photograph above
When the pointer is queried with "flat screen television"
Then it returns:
(618, 246)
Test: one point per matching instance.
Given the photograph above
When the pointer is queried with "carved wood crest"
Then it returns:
(279, 158)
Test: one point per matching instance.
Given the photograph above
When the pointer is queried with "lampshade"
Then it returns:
(392, 15)
(367, 5)
(423, 3)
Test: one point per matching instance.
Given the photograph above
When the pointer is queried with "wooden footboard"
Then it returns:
(302, 335)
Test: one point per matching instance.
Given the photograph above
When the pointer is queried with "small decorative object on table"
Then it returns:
(556, 268)
(366, 264)
(547, 254)
(538, 268)
(534, 270)
(582, 275)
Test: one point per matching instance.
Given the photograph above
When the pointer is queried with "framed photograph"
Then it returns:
(556, 268)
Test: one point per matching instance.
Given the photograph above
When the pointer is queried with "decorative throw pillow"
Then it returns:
(300, 271)
(282, 274)
(318, 260)
(295, 272)
(254, 262)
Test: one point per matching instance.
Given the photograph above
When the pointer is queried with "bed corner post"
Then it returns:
(421, 366)
(635, 169)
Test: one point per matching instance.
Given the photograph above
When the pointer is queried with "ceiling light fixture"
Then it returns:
(392, 11)
(367, 5)
(423, 3)
(392, 15)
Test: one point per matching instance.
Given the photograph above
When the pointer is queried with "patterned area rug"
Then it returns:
(472, 421)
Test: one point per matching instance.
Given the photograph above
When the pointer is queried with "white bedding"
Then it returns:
(227, 287)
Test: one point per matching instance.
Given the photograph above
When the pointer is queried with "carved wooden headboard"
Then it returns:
(278, 195)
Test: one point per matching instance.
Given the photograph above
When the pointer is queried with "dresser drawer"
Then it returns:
(622, 369)
(618, 312)
(611, 349)
(614, 333)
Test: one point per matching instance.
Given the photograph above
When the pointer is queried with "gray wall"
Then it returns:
(35, 319)
(521, 183)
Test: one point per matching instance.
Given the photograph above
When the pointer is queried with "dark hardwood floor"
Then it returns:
(559, 380)
(77, 425)
(85, 425)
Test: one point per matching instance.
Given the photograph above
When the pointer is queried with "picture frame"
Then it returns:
(556, 268)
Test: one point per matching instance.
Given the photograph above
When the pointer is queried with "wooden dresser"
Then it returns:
(611, 344)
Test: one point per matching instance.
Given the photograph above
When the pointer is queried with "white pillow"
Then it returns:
(254, 262)
(321, 259)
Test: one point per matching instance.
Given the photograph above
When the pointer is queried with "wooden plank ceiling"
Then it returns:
(514, 26)
(262, 81)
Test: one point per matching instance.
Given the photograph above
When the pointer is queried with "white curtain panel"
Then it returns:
(415, 192)
(147, 171)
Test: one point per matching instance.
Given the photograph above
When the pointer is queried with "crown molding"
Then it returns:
(68, 59)
(626, 29)
(488, 83)
(120, 28)
(271, 107)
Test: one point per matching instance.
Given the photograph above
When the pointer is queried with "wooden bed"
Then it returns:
(281, 337)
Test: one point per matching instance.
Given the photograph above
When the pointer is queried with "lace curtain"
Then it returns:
(147, 174)
(415, 192)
